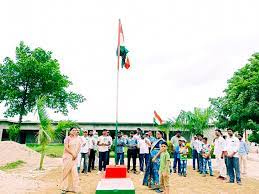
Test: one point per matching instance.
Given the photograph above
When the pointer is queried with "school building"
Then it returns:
(29, 129)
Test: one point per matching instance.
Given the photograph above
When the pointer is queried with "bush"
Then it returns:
(14, 132)
(254, 137)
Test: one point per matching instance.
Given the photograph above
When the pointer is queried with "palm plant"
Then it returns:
(46, 133)
(166, 128)
(196, 121)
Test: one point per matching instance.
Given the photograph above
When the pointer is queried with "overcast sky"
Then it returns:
(182, 52)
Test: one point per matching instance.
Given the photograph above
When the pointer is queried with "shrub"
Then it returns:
(14, 132)
(254, 137)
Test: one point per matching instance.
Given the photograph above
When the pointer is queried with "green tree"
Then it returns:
(63, 127)
(196, 122)
(32, 74)
(46, 133)
(239, 107)
(254, 137)
(13, 132)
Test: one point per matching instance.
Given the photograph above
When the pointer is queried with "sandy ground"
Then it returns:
(27, 179)
(193, 184)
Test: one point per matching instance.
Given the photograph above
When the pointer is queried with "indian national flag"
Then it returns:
(157, 119)
(123, 51)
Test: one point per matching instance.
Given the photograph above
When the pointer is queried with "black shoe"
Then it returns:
(174, 171)
(83, 171)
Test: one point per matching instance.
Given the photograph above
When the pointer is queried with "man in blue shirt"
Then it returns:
(243, 152)
(120, 149)
(132, 143)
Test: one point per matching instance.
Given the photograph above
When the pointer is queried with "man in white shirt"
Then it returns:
(199, 146)
(92, 151)
(103, 147)
(194, 153)
(137, 137)
(95, 136)
(85, 151)
(232, 147)
(109, 148)
(219, 150)
(143, 145)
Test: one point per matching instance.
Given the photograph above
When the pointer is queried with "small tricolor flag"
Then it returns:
(157, 119)
(123, 51)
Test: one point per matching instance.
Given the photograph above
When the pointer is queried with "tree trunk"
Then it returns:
(167, 137)
(20, 119)
(23, 103)
(42, 156)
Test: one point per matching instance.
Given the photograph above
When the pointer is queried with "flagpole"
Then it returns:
(117, 91)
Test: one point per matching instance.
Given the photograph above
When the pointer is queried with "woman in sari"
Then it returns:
(70, 178)
(151, 177)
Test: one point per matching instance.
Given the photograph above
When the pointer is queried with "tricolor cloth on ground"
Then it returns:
(115, 181)
(118, 186)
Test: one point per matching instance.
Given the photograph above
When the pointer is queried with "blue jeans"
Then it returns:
(183, 167)
(194, 159)
(205, 162)
(103, 160)
(176, 161)
(143, 157)
(85, 157)
(120, 159)
(233, 164)
(200, 158)
(226, 163)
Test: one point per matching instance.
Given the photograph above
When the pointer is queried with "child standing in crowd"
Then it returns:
(206, 154)
(164, 169)
(183, 157)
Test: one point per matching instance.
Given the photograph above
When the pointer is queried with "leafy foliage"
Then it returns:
(254, 137)
(32, 74)
(166, 128)
(63, 127)
(14, 132)
(46, 133)
(196, 121)
(239, 108)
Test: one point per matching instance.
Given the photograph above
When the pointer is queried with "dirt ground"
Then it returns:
(192, 184)
(27, 179)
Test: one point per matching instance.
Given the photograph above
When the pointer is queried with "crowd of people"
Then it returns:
(82, 154)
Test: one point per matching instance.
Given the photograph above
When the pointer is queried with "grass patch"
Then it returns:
(52, 150)
(12, 165)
